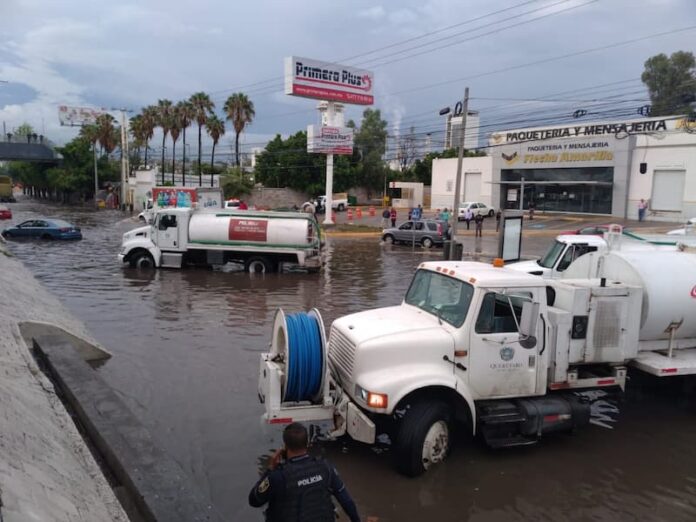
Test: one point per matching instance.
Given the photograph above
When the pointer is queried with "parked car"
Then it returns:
(476, 209)
(232, 203)
(5, 213)
(427, 232)
(44, 229)
(589, 230)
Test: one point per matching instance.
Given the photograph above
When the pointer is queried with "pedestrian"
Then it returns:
(243, 205)
(642, 206)
(385, 217)
(468, 216)
(392, 216)
(445, 215)
(478, 220)
(298, 487)
(498, 215)
(531, 206)
(419, 213)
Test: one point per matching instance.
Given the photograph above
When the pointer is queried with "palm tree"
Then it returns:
(184, 115)
(174, 131)
(107, 135)
(164, 120)
(91, 134)
(136, 130)
(216, 129)
(202, 107)
(240, 109)
(149, 115)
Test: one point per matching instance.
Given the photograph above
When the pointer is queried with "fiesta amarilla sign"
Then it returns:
(328, 81)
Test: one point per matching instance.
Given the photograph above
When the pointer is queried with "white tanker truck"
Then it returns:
(259, 240)
(502, 352)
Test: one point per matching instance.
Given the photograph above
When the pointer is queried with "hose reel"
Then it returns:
(299, 340)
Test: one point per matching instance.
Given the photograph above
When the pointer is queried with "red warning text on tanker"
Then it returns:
(248, 230)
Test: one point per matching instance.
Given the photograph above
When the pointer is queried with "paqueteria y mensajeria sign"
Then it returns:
(329, 140)
(581, 131)
(328, 81)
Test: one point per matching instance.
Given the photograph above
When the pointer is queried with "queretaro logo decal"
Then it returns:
(507, 353)
(510, 158)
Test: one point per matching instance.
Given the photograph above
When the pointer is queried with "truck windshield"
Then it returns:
(552, 255)
(442, 296)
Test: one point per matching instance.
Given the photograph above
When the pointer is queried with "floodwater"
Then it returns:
(186, 347)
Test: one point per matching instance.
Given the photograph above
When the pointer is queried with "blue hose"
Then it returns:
(305, 358)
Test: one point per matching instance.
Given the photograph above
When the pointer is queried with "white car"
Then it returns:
(689, 228)
(476, 209)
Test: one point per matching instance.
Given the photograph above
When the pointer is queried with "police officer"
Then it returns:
(298, 487)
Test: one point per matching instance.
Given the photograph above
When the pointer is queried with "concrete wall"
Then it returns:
(275, 197)
(47, 473)
(444, 176)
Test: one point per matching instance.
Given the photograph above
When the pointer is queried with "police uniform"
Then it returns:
(300, 490)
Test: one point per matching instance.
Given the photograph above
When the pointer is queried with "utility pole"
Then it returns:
(458, 182)
(330, 113)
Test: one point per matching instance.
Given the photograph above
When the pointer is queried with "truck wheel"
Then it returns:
(341, 207)
(423, 437)
(259, 265)
(142, 260)
(427, 242)
(388, 238)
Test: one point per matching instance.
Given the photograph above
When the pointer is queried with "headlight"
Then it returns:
(372, 399)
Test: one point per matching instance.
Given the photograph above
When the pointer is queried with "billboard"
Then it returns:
(329, 140)
(328, 81)
(77, 116)
(173, 196)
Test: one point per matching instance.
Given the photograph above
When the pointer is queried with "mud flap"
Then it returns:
(360, 427)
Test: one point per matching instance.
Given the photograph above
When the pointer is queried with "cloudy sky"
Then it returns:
(423, 52)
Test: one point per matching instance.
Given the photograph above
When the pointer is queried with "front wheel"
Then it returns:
(259, 265)
(427, 242)
(142, 260)
(423, 438)
(388, 238)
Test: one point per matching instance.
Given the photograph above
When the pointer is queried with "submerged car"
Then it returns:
(44, 229)
(427, 232)
(5, 213)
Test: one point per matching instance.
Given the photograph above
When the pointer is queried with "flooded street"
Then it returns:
(186, 345)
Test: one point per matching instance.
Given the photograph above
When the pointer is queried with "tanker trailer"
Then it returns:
(667, 331)
(261, 241)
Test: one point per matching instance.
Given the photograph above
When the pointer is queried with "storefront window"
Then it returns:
(578, 190)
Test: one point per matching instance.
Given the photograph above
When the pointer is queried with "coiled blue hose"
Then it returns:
(305, 358)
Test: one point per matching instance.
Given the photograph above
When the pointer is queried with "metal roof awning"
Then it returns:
(597, 183)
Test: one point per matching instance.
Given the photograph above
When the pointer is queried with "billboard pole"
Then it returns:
(330, 110)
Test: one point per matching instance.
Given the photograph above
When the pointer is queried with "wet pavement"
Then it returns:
(186, 345)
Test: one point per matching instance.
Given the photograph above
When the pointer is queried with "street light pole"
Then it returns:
(457, 184)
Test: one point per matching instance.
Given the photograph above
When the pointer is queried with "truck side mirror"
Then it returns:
(528, 324)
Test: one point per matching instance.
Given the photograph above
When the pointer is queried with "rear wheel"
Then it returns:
(341, 207)
(259, 265)
(142, 260)
(490, 213)
(388, 238)
(423, 438)
(427, 242)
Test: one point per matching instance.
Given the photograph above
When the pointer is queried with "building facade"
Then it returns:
(594, 168)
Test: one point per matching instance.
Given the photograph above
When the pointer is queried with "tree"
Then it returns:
(240, 110)
(407, 150)
(149, 122)
(202, 107)
(164, 120)
(107, 134)
(286, 163)
(371, 143)
(235, 184)
(215, 128)
(135, 128)
(184, 114)
(174, 131)
(671, 83)
(24, 130)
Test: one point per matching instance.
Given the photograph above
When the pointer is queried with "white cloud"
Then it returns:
(376, 12)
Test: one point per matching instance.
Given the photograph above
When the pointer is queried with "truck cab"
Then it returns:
(561, 253)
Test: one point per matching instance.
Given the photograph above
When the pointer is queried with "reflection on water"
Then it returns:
(186, 345)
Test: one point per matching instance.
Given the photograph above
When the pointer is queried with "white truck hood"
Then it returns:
(529, 267)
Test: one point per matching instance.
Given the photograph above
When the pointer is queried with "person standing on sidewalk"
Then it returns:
(468, 216)
(385, 217)
(642, 206)
(392, 216)
(531, 206)
(498, 215)
(478, 220)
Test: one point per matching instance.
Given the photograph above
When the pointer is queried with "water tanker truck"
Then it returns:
(260, 240)
(501, 352)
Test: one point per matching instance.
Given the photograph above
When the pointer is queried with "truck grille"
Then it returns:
(341, 353)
